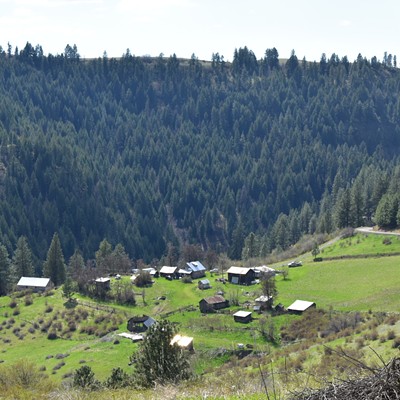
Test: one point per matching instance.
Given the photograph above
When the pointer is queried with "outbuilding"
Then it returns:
(213, 303)
(103, 283)
(204, 284)
(196, 268)
(299, 306)
(242, 316)
(34, 284)
(140, 323)
(241, 276)
(169, 272)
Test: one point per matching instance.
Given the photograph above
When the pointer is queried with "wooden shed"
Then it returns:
(204, 284)
(242, 316)
(140, 323)
(213, 303)
(241, 276)
(299, 306)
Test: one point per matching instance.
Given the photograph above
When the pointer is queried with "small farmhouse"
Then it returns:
(241, 276)
(299, 306)
(35, 284)
(242, 316)
(204, 284)
(184, 273)
(169, 272)
(213, 303)
(196, 268)
(140, 324)
(103, 283)
(184, 342)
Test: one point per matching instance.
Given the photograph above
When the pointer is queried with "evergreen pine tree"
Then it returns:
(5, 271)
(22, 262)
(157, 360)
(54, 267)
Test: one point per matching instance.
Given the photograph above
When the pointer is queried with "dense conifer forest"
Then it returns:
(240, 157)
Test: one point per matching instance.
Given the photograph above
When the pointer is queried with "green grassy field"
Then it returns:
(363, 244)
(346, 285)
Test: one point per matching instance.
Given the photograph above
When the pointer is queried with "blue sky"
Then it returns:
(203, 27)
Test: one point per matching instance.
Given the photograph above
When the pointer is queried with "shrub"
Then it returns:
(84, 377)
(186, 279)
(28, 300)
(143, 279)
(387, 241)
(396, 343)
(72, 326)
(48, 309)
(58, 366)
(391, 335)
(16, 311)
(13, 304)
(117, 379)
(52, 336)
(60, 356)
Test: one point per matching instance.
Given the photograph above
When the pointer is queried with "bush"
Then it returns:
(396, 343)
(13, 304)
(28, 300)
(52, 336)
(118, 379)
(84, 378)
(391, 335)
(48, 309)
(186, 279)
(387, 241)
(143, 279)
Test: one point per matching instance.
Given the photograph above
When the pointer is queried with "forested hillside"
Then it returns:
(149, 151)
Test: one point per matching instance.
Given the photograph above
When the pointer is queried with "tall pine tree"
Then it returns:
(22, 262)
(5, 271)
(54, 267)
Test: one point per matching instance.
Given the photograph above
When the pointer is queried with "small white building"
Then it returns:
(35, 284)
(185, 342)
(299, 306)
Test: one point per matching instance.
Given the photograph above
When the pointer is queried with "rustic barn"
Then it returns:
(213, 303)
(140, 323)
(196, 268)
(34, 284)
(299, 306)
(103, 283)
(242, 316)
(169, 272)
(241, 276)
